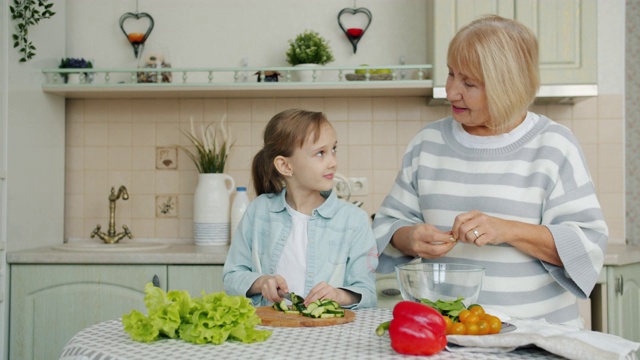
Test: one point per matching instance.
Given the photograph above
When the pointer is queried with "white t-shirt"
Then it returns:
(293, 262)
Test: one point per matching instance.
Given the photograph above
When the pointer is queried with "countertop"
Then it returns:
(183, 254)
(617, 254)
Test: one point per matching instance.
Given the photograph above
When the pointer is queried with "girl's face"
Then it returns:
(468, 103)
(314, 164)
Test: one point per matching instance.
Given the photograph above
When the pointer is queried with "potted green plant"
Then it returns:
(212, 147)
(309, 48)
(76, 63)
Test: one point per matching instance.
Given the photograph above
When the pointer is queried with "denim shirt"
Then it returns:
(341, 250)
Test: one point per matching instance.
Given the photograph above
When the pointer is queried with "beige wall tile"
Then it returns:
(74, 111)
(336, 109)
(74, 158)
(95, 158)
(119, 134)
(167, 182)
(103, 136)
(359, 109)
(143, 228)
(384, 109)
(96, 111)
(611, 131)
(610, 106)
(143, 111)
(585, 109)
(144, 158)
(359, 133)
(167, 111)
(96, 134)
(74, 134)
(143, 182)
(119, 158)
(384, 158)
(143, 206)
(119, 111)
(408, 109)
(586, 130)
(384, 133)
(143, 134)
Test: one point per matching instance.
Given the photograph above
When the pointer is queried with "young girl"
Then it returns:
(297, 236)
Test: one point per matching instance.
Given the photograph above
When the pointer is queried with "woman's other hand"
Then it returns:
(423, 240)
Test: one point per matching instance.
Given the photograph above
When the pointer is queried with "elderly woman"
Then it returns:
(498, 186)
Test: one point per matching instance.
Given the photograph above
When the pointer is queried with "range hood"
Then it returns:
(548, 94)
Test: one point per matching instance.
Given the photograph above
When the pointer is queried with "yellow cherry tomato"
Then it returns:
(458, 328)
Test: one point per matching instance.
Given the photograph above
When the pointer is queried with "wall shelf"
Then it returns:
(404, 80)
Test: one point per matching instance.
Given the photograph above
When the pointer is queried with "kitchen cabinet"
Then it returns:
(566, 32)
(623, 301)
(51, 303)
(195, 278)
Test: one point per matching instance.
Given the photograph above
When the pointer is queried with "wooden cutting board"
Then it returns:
(273, 317)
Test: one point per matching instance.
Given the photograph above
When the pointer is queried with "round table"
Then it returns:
(355, 340)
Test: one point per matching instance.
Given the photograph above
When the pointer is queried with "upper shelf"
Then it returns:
(326, 81)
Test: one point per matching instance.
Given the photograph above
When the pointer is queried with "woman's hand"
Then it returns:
(268, 286)
(477, 228)
(423, 240)
(325, 291)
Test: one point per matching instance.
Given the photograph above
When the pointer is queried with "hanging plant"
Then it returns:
(28, 13)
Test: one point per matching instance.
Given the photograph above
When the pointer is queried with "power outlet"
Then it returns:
(359, 186)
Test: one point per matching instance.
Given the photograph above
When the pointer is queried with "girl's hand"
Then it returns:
(268, 286)
(325, 291)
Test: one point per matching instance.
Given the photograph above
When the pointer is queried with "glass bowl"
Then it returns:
(438, 281)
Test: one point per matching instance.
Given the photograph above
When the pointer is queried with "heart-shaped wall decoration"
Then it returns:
(136, 39)
(354, 34)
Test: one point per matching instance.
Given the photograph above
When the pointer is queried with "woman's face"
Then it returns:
(468, 103)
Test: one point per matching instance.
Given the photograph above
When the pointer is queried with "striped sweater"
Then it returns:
(542, 178)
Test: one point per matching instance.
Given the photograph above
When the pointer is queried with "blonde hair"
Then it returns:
(502, 54)
(285, 132)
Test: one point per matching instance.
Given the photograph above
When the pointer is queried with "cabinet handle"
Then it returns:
(156, 281)
(620, 285)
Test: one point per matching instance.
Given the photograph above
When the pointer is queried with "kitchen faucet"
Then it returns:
(111, 237)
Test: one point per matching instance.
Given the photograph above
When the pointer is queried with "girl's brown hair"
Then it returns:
(284, 133)
(503, 55)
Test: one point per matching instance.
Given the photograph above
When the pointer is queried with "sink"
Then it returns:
(103, 247)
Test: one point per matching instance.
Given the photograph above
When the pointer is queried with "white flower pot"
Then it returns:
(307, 75)
(211, 213)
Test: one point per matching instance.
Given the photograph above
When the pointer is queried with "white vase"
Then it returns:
(308, 74)
(73, 78)
(211, 214)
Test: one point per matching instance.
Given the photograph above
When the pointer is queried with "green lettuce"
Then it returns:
(212, 318)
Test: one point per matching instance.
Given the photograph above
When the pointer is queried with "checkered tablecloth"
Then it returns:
(355, 340)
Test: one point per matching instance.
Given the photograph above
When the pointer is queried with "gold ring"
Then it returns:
(476, 233)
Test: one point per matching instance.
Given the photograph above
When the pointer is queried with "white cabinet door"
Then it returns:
(51, 303)
(566, 32)
(623, 301)
(195, 278)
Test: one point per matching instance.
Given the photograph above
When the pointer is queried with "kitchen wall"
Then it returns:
(116, 142)
(632, 106)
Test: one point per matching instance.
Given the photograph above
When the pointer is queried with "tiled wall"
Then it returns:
(116, 142)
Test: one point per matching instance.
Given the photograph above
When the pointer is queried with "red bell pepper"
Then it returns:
(416, 329)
